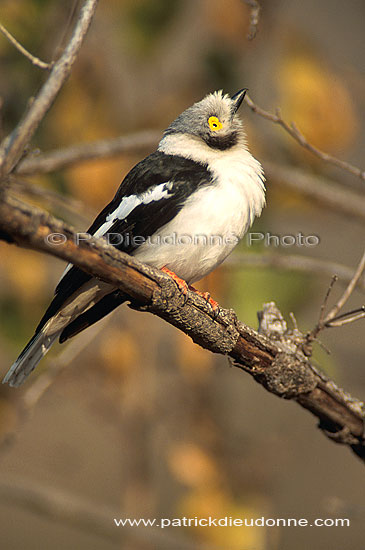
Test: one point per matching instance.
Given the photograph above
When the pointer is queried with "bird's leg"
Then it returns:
(181, 284)
(207, 297)
(184, 287)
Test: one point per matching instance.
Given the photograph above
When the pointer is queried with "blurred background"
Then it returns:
(131, 416)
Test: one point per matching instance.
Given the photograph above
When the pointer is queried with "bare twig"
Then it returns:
(35, 60)
(295, 133)
(278, 364)
(324, 303)
(255, 9)
(13, 145)
(348, 317)
(345, 296)
(332, 319)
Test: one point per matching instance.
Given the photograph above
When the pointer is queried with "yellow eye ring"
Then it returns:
(214, 124)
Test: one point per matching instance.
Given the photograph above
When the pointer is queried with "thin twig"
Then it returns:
(12, 147)
(35, 60)
(348, 317)
(295, 133)
(332, 319)
(255, 9)
(345, 296)
(324, 303)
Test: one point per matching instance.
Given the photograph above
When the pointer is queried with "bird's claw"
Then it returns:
(207, 297)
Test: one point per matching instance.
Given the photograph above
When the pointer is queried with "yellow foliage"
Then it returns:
(318, 101)
(192, 465)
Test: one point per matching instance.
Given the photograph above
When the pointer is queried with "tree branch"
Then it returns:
(295, 133)
(272, 357)
(13, 145)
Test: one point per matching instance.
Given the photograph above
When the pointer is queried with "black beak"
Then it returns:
(238, 98)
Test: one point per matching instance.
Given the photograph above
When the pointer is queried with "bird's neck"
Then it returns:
(233, 163)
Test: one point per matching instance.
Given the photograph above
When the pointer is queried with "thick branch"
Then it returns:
(276, 363)
(13, 145)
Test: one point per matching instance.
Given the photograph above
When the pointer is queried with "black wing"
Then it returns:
(184, 177)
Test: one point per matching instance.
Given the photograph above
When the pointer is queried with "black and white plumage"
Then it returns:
(201, 181)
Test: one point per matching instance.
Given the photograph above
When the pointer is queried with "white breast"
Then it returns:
(212, 220)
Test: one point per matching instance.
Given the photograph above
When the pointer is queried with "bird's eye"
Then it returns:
(214, 123)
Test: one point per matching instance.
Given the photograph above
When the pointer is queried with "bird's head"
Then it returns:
(214, 120)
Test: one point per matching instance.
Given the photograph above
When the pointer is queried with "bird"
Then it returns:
(182, 209)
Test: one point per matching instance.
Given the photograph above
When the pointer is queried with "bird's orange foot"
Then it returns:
(208, 298)
(184, 287)
(181, 284)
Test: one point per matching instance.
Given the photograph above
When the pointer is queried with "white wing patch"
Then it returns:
(128, 204)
